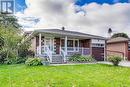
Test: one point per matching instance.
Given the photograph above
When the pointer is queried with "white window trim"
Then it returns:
(73, 44)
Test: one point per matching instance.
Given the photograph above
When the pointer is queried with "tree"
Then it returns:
(6, 20)
(10, 35)
(1, 42)
(23, 49)
(11, 40)
(120, 35)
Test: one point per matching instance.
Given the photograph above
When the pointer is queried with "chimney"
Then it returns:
(63, 28)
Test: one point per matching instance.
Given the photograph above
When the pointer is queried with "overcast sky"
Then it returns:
(88, 16)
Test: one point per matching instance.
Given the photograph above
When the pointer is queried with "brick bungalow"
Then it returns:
(58, 44)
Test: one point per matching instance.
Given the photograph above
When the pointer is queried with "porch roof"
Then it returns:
(68, 33)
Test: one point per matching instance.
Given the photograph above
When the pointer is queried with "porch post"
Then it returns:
(65, 45)
(40, 44)
(74, 45)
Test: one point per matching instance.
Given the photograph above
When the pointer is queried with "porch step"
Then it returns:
(56, 59)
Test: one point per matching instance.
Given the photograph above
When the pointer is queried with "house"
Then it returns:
(58, 44)
(119, 46)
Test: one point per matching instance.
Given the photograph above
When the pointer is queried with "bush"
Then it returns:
(2, 57)
(33, 62)
(26, 53)
(11, 58)
(80, 58)
(30, 53)
(75, 57)
(115, 59)
(21, 60)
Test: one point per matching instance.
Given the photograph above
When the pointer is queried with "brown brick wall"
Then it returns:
(117, 49)
(84, 43)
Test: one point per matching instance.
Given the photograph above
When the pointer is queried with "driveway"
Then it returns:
(123, 63)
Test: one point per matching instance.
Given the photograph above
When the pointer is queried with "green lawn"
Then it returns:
(95, 75)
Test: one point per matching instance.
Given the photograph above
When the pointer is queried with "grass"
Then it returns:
(95, 75)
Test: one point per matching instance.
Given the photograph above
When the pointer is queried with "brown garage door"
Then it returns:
(129, 55)
(98, 53)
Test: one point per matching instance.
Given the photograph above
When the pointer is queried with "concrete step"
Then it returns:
(57, 59)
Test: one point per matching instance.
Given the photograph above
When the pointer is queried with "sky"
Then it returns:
(87, 16)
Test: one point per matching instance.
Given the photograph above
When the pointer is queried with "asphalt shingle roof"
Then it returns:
(67, 32)
(118, 39)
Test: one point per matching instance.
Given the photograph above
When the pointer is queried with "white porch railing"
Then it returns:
(48, 52)
(45, 51)
(63, 54)
(80, 50)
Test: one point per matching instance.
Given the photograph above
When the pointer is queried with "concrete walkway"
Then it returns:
(71, 64)
(123, 63)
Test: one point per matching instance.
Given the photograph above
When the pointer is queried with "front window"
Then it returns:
(70, 43)
(76, 43)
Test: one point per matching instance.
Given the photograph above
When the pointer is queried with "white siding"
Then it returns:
(98, 41)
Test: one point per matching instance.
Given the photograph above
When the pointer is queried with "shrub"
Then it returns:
(115, 59)
(30, 53)
(33, 62)
(80, 58)
(74, 57)
(22, 53)
(2, 57)
(11, 59)
(21, 60)
(26, 53)
(8, 57)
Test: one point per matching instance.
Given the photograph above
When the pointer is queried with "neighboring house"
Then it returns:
(58, 45)
(119, 46)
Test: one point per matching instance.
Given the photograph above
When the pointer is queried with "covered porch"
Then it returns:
(63, 45)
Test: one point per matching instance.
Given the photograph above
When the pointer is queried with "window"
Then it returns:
(97, 45)
(70, 43)
(76, 43)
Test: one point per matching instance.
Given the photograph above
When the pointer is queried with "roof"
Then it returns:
(68, 33)
(118, 39)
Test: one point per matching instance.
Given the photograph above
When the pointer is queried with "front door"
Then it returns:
(49, 43)
(57, 45)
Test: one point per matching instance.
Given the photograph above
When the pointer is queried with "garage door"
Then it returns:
(98, 53)
(129, 55)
